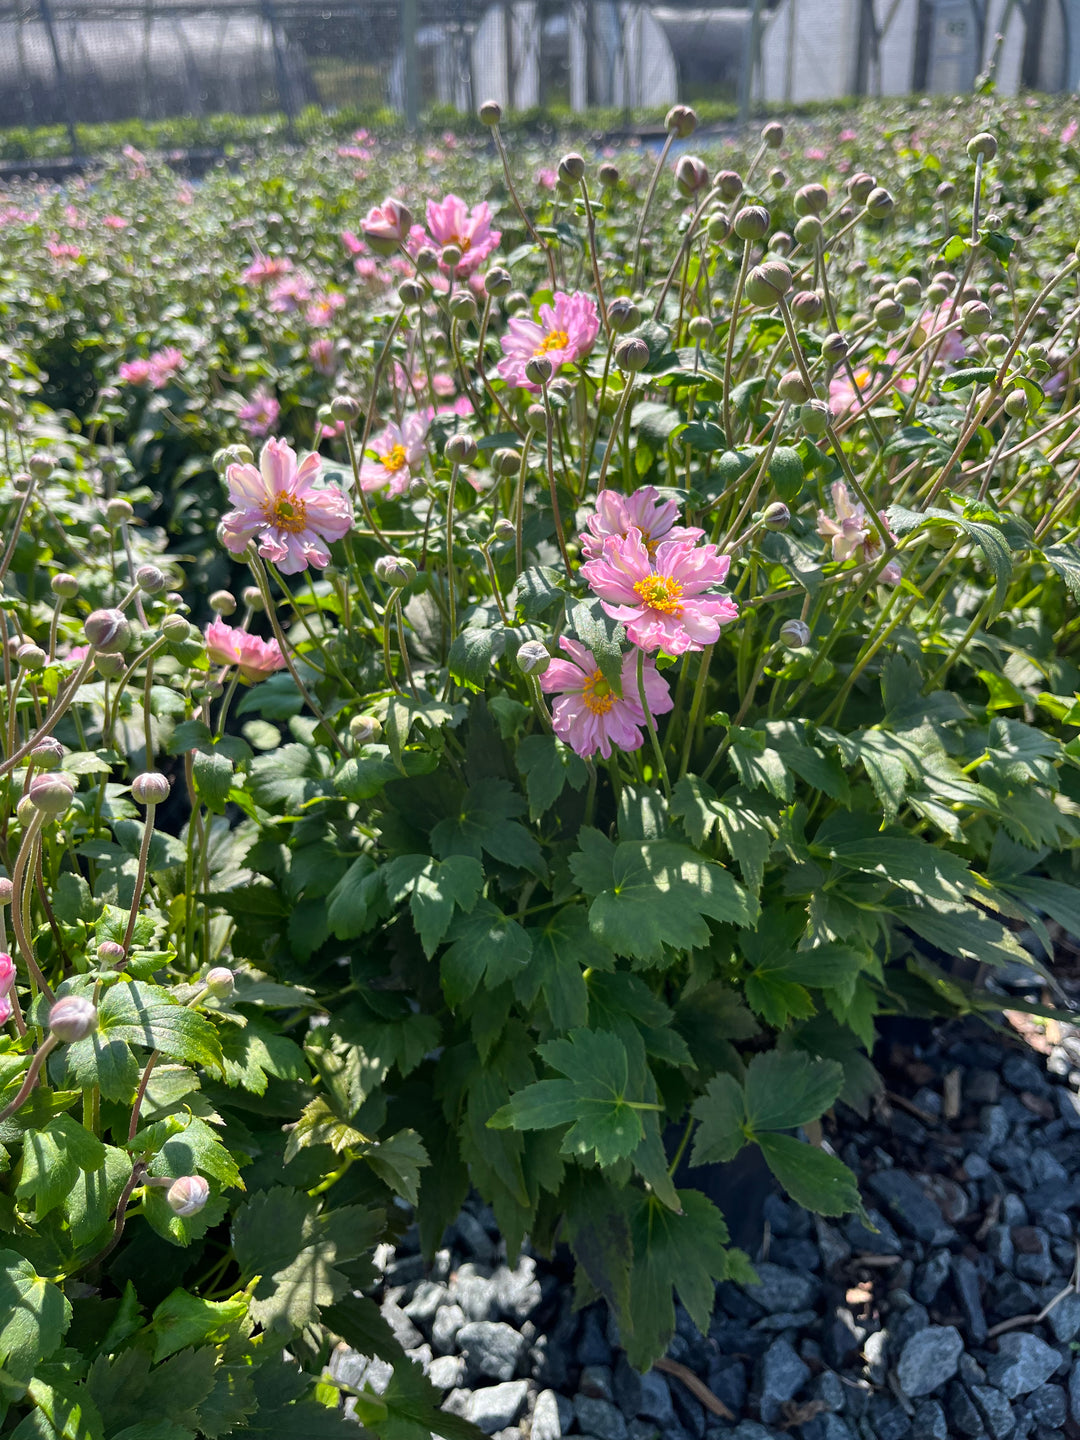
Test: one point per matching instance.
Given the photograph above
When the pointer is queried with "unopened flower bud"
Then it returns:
(7, 890)
(538, 369)
(946, 191)
(983, 145)
(490, 113)
(47, 754)
(150, 580)
(623, 315)
(908, 290)
(31, 657)
(782, 243)
(25, 811)
(110, 953)
(224, 602)
(72, 1019)
(498, 281)
(426, 258)
(776, 516)
(536, 417)
(221, 982)
(410, 292)
(150, 788)
(450, 256)
(175, 629)
(860, 186)
(996, 343)
(729, 183)
(768, 284)
(252, 598)
(533, 657)
(515, 301)
(793, 387)
(751, 222)
(503, 529)
(345, 407)
(807, 306)
(691, 175)
(773, 134)
(795, 634)
(716, 227)
(975, 317)
(700, 328)
(811, 199)
(571, 168)
(107, 630)
(364, 729)
(65, 585)
(879, 203)
(609, 175)
(808, 231)
(188, 1195)
(118, 510)
(461, 449)
(889, 314)
(462, 306)
(395, 570)
(51, 794)
(681, 121)
(505, 461)
(108, 666)
(631, 354)
(814, 416)
(41, 466)
(1016, 404)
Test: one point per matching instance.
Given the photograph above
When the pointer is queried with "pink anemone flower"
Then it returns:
(853, 533)
(290, 294)
(395, 455)
(266, 268)
(588, 714)
(278, 505)
(255, 658)
(7, 979)
(451, 222)
(644, 511)
(661, 599)
(565, 331)
(386, 226)
(260, 414)
(323, 356)
(135, 372)
(932, 322)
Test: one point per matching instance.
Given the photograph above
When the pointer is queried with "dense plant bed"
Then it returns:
(635, 653)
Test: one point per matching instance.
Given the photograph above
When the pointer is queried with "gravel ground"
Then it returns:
(927, 1328)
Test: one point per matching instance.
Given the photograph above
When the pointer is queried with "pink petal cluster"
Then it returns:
(255, 658)
(654, 520)
(386, 226)
(290, 294)
(451, 222)
(565, 331)
(323, 356)
(852, 532)
(588, 714)
(547, 179)
(265, 268)
(63, 254)
(352, 242)
(278, 505)
(1070, 132)
(662, 596)
(395, 455)
(323, 308)
(156, 372)
(844, 396)
(116, 222)
(7, 979)
(932, 322)
(260, 414)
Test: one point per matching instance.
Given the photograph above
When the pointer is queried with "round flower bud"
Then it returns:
(221, 982)
(150, 580)
(224, 602)
(150, 788)
(64, 585)
(490, 112)
(793, 387)
(7, 890)
(538, 369)
(814, 416)
(175, 628)
(681, 121)
(879, 203)
(31, 657)
(410, 292)
(776, 516)
(609, 175)
(110, 953)
(795, 634)
(691, 175)
(72, 1018)
(515, 301)
(345, 407)
(1038, 353)
(536, 417)
(975, 317)
(41, 466)
(1016, 404)
(107, 630)
(811, 199)
(729, 183)
(188, 1195)
(498, 281)
(364, 729)
(700, 328)
(751, 222)
(935, 294)
(631, 354)
(461, 450)
(462, 306)
(505, 461)
(716, 227)
(47, 754)
(118, 510)
(860, 186)
(451, 256)
(983, 145)
(889, 314)
(426, 258)
(533, 658)
(782, 243)
(768, 284)
(807, 306)
(503, 530)
(808, 230)
(395, 570)
(51, 794)
(25, 811)
(996, 344)
(773, 134)
(571, 168)
(109, 666)
(623, 315)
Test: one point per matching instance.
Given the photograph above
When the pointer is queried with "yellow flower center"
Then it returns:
(463, 243)
(598, 694)
(394, 459)
(286, 512)
(557, 340)
(660, 592)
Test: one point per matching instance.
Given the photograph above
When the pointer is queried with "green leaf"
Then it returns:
(600, 635)
(813, 1178)
(548, 765)
(434, 888)
(359, 1322)
(52, 1159)
(351, 904)
(963, 930)
(786, 1089)
(127, 1391)
(183, 1319)
(562, 950)
(397, 1161)
(71, 899)
(487, 946)
(486, 823)
(972, 375)
(213, 776)
(253, 1052)
(538, 590)
(33, 1317)
(911, 864)
(721, 1116)
(142, 1014)
(69, 1412)
(473, 654)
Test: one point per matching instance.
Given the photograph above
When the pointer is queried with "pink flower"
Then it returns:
(63, 254)
(323, 308)
(116, 222)
(135, 372)
(661, 598)
(565, 332)
(289, 294)
(227, 645)
(932, 322)
(163, 365)
(266, 268)
(323, 356)
(260, 414)
(366, 267)
(451, 222)
(588, 714)
(335, 430)
(848, 135)
(386, 226)
(398, 453)
(644, 511)
(1069, 134)
(852, 532)
(813, 153)
(844, 396)
(278, 505)
(352, 242)
(547, 179)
